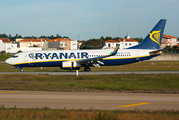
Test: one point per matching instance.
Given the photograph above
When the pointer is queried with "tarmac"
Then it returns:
(88, 100)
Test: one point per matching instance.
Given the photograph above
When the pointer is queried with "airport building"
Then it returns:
(31, 44)
(124, 43)
(37, 44)
(168, 40)
(68, 44)
(7, 46)
(46, 44)
(61, 44)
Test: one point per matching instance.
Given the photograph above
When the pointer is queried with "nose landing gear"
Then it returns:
(18, 67)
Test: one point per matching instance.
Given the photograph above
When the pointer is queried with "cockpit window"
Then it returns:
(15, 56)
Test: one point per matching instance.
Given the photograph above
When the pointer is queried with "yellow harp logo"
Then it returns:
(155, 36)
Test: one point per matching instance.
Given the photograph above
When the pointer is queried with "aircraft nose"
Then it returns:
(8, 61)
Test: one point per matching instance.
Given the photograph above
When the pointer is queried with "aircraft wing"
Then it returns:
(97, 60)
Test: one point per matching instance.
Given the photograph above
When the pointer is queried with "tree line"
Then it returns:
(94, 43)
(99, 43)
(13, 38)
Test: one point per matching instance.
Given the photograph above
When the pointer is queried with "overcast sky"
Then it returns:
(87, 18)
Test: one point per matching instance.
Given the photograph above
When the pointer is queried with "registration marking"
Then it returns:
(133, 105)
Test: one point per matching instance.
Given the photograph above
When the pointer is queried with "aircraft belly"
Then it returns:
(119, 61)
(49, 64)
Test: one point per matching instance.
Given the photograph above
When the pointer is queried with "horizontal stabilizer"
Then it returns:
(157, 51)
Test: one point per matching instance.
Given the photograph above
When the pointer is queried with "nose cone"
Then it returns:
(8, 61)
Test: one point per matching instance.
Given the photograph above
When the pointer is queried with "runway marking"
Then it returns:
(9, 91)
(133, 105)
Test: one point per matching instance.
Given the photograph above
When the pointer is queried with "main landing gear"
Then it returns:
(87, 69)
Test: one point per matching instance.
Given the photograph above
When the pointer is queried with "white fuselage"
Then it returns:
(37, 58)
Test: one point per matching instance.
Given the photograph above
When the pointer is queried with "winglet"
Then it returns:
(115, 50)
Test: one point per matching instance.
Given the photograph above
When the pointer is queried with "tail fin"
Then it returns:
(153, 39)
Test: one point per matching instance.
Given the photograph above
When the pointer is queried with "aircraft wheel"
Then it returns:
(87, 69)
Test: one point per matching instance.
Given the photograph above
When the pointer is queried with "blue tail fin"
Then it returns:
(153, 39)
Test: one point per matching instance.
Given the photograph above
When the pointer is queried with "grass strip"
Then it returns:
(61, 114)
(161, 83)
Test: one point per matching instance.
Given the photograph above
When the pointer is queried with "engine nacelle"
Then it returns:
(71, 65)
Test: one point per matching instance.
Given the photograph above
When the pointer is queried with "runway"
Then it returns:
(88, 101)
(96, 73)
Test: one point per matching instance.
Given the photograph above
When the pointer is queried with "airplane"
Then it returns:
(75, 59)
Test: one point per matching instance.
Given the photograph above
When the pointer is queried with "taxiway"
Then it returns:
(88, 100)
(96, 73)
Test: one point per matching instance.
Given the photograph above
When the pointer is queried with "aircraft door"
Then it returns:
(25, 58)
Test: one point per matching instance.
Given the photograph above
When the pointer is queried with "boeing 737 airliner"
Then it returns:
(74, 59)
